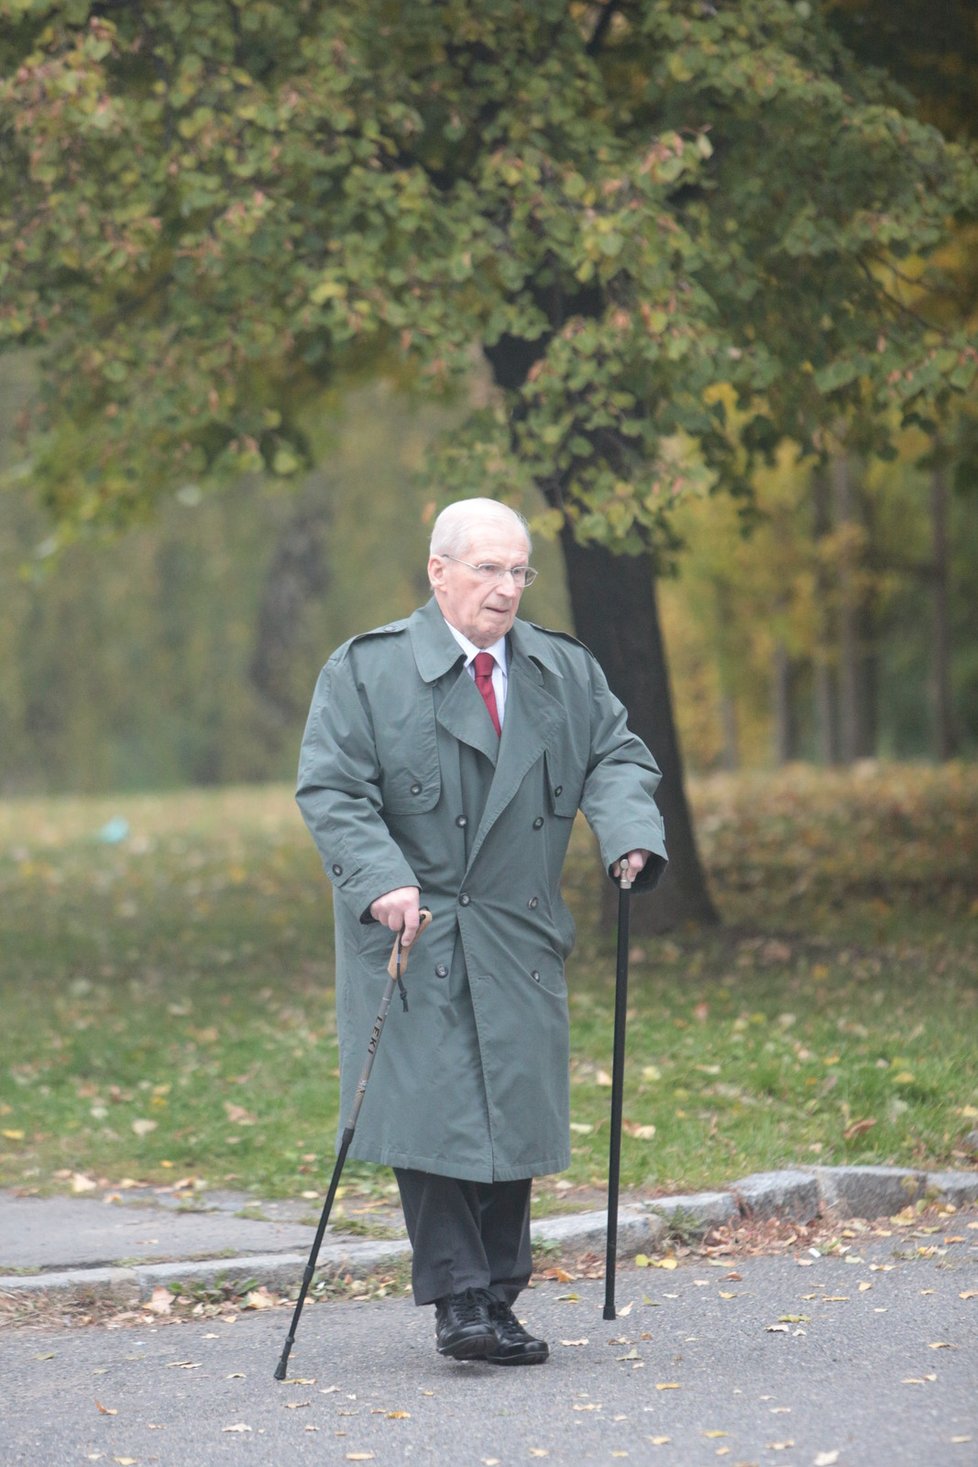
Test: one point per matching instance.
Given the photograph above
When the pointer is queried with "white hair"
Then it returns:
(455, 527)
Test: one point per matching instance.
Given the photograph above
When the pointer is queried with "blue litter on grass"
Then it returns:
(113, 831)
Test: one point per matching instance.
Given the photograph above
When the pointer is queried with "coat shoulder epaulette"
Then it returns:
(387, 629)
(561, 636)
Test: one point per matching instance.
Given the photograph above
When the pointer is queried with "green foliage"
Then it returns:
(217, 209)
(167, 998)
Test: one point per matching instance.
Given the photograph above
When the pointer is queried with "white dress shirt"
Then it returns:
(500, 670)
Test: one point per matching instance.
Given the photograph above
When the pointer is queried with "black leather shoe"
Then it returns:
(513, 1345)
(463, 1328)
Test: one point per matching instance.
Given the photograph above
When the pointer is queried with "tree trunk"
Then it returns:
(615, 613)
(785, 721)
(945, 733)
(857, 666)
(824, 672)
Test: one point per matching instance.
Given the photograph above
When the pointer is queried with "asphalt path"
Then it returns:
(867, 1360)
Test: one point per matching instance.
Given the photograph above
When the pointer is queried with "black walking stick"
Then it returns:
(395, 970)
(617, 1086)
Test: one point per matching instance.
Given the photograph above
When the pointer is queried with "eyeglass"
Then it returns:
(488, 570)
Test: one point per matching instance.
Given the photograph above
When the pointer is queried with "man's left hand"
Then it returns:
(634, 859)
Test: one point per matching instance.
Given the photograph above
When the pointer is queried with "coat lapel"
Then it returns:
(532, 718)
(461, 711)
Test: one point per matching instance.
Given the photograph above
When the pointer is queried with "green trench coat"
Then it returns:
(398, 756)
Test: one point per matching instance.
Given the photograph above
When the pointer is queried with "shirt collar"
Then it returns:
(498, 648)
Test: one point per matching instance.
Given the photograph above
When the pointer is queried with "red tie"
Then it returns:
(484, 662)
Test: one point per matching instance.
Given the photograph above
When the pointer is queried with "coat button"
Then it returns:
(533, 903)
(416, 788)
(558, 789)
(441, 971)
(538, 822)
(464, 899)
(535, 976)
(337, 869)
(461, 821)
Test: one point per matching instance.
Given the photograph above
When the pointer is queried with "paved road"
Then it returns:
(690, 1373)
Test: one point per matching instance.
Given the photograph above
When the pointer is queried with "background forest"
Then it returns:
(185, 651)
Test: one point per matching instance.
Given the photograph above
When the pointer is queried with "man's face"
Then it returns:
(483, 610)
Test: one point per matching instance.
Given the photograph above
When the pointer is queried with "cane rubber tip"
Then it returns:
(281, 1370)
(609, 1312)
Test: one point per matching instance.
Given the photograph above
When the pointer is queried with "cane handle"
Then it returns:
(402, 954)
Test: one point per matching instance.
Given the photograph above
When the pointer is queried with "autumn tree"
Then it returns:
(636, 213)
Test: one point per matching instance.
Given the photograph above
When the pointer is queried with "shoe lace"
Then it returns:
(470, 1305)
(501, 1314)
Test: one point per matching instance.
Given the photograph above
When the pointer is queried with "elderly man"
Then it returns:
(443, 763)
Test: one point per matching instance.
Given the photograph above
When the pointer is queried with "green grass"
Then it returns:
(167, 1001)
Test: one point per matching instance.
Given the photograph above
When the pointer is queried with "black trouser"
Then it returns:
(466, 1235)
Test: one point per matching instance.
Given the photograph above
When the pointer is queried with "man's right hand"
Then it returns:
(399, 910)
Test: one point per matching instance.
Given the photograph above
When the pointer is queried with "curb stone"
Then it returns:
(798, 1195)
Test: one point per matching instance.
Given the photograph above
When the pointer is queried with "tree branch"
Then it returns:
(601, 28)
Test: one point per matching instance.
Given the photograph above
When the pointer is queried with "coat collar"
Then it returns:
(436, 650)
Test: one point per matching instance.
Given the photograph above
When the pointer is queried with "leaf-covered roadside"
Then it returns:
(168, 1008)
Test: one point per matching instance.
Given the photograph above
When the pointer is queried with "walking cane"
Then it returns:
(395, 971)
(617, 1086)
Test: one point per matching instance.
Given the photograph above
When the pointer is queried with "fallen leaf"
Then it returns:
(260, 1298)
(957, 1441)
(126, 1461)
(602, 1078)
(296, 1405)
(539, 1452)
(160, 1301)
(668, 1385)
(826, 1459)
(969, 1294)
(14, 1135)
(632, 1355)
(660, 1441)
(641, 1133)
(107, 1410)
(777, 1329)
(81, 1183)
(714, 1434)
(864, 1286)
(575, 1342)
(858, 1128)
(144, 1127)
(591, 1406)
(398, 1415)
(238, 1426)
(780, 1446)
(183, 1365)
(941, 1345)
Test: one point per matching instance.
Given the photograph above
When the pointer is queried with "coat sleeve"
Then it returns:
(339, 793)
(618, 798)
